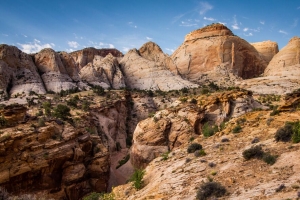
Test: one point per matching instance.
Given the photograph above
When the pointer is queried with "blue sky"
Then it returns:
(66, 25)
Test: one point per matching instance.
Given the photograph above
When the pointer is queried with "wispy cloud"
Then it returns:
(249, 34)
(222, 23)
(298, 8)
(149, 38)
(209, 19)
(5, 35)
(171, 50)
(245, 29)
(73, 44)
(295, 23)
(24, 35)
(34, 46)
(104, 45)
(262, 22)
(283, 32)
(125, 49)
(189, 23)
(235, 24)
(204, 7)
(131, 24)
(178, 17)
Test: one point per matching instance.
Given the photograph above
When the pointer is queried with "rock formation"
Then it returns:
(104, 72)
(213, 53)
(53, 71)
(282, 74)
(285, 59)
(266, 49)
(147, 69)
(18, 72)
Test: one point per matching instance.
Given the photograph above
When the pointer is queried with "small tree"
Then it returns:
(62, 111)
(137, 178)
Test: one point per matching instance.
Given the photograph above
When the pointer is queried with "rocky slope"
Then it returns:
(180, 174)
(213, 53)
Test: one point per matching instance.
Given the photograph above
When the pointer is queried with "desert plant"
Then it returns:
(209, 130)
(210, 189)
(269, 159)
(199, 153)
(137, 178)
(41, 122)
(237, 129)
(123, 161)
(3, 121)
(92, 196)
(62, 111)
(165, 155)
(193, 147)
(296, 132)
(284, 133)
(253, 152)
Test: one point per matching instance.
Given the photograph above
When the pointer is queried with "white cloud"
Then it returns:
(131, 24)
(69, 50)
(209, 18)
(250, 34)
(24, 35)
(188, 23)
(235, 24)
(262, 22)
(171, 50)
(111, 46)
(283, 32)
(222, 23)
(73, 44)
(34, 46)
(204, 7)
(125, 49)
(295, 23)
(5, 35)
(148, 38)
(245, 29)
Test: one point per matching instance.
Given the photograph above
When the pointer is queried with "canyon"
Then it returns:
(143, 110)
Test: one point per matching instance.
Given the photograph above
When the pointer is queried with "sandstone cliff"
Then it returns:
(213, 53)
(147, 69)
(266, 49)
(18, 72)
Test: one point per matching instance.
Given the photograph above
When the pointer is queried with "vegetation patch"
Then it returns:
(194, 147)
(209, 130)
(123, 161)
(257, 152)
(137, 178)
(210, 189)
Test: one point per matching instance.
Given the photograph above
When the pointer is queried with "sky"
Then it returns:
(70, 25)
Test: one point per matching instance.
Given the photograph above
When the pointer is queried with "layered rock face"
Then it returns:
(18, 72)
(104, 72)
(285, 59)
(266, 49)
(171, 128)
(213, 53)
(53, 71)
(147, 69)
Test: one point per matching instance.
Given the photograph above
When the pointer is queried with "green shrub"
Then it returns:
(92, 196)
(3, 121)
(237, 129)
(193, 101)
(41, 122)
(123, 161)
(284, 133)
(165, 155)
(137, 178)
(199, 153)
(62, 111)
(193, 147)
(209, 130)
(296, 132)
(210, 189)
(47, 107)
(253, 152)
(269, 159)
(97, 89)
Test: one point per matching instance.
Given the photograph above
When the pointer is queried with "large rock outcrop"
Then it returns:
(104, 72)
(282, 74)
(53, 71)
(147, 69)
(18, 72)
(286, 59)
(213, 53)
(266, 49)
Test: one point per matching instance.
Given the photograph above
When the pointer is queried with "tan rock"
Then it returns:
(18, 72)
(147, 69)
(213, 53)
(73, 173)
(285, 60)
(266, 49)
